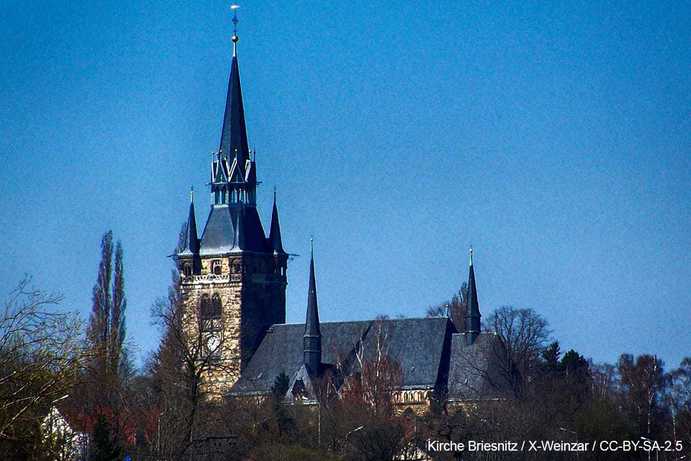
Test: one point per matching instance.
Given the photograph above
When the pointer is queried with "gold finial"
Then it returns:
(234, 8)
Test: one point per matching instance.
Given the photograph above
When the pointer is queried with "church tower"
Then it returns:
(233, 278)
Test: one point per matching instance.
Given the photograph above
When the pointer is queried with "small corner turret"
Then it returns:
(189, 262)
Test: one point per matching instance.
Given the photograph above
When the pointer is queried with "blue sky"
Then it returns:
(555, 137)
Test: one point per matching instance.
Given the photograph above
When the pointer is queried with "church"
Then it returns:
(233, 279)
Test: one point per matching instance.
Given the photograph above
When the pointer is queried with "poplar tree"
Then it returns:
(105, 380)
(101, 302)
(117, 320)
(106, 330)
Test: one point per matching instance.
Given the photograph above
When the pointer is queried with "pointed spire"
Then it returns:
(312, 347)
(275, 231)
(472, 315)
(191, 244)
(234, 132)
(312, 319)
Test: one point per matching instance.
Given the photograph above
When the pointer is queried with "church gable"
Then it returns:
(475, 370)
(418, 345)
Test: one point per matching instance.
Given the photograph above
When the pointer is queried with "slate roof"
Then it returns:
(191, 244)
(220, 236)
(474, 371)
(234, 133)
(312, 318)
(275, 230)
(417, 344)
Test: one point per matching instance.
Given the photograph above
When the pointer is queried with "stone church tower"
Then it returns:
(233, 278)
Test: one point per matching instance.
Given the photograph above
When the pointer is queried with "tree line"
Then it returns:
(52, 363)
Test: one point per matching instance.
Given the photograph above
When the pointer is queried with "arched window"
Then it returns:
(216, 308)
(205, 307)
(216, 267)
(187, 269)
(210, 312)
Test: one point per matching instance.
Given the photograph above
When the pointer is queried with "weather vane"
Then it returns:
(234, 8)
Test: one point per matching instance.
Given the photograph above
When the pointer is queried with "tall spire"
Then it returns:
(191, 245)
(312, 342)
(472, 314)
(234, 132)
(275, 231)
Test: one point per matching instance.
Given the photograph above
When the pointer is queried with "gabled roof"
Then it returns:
(220, 173)
(417, 344)
(474, 370)
(236, 173)
(301, 387)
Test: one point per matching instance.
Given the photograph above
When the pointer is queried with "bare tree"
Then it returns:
(454, 308)
(678, 398)
(180, 367)
(41, 353)
(380, 375)
(643, 381)
(522, 335)
(103, 387)
(370, 429)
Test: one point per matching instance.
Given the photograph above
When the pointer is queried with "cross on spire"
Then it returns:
(234, 8)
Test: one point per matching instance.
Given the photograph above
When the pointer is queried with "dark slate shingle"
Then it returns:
(417, 344)
(474, 370)
(219, 233)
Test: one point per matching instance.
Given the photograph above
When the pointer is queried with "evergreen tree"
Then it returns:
(103, 446)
